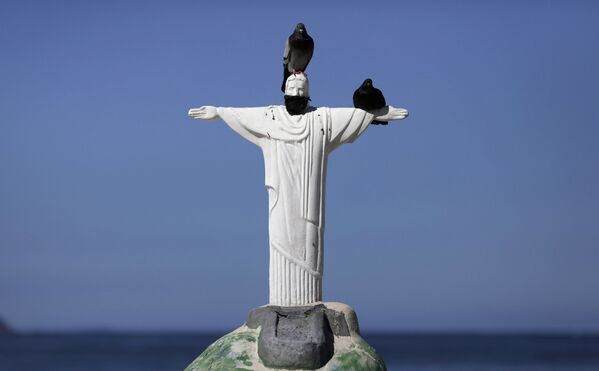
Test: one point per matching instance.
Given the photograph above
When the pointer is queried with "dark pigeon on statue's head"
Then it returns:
(299, 48)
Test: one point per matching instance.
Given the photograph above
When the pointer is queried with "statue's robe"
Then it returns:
(295, 152)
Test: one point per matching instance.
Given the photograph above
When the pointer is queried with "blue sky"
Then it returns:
(479, 212)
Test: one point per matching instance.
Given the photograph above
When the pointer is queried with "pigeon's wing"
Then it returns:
(286, 58)
(359, 99)
(309, 53)
(305, 55)
(286, 51)
(310, 50)
(355, 98)
(286, 74)
(378, 99)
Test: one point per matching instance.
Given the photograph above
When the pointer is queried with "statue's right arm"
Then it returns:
(204, 113)
(245, 121)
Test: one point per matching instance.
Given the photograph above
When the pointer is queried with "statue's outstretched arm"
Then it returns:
(390, 113)
(204, 113)
(245, 121)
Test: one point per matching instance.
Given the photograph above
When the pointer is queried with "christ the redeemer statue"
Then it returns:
(296, 148)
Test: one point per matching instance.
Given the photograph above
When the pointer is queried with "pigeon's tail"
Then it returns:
(379, 123)
(286, 74)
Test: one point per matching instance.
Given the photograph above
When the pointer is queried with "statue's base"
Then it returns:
(323, 336)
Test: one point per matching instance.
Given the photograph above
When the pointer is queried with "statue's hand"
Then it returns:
(390, 113)
(397, 113)
(204, 113)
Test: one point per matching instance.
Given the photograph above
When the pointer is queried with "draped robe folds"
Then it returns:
(295, 150)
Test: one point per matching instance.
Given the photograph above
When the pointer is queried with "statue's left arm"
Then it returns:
(347, 124)
(390, 113)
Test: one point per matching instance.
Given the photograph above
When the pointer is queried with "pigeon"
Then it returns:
(299, 48)
(369, 98)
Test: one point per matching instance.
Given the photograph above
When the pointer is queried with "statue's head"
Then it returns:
(297, 85)
(297, 94)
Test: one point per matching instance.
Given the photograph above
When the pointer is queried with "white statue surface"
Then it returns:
(295, 149)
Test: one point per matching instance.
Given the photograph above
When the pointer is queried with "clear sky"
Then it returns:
(478, 212)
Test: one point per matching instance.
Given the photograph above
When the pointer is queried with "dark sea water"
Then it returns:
(166, 352)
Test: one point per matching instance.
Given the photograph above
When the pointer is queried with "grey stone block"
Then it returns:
(293, 337)
(337, 320)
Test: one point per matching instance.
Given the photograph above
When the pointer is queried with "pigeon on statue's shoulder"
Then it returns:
(369, 98)
(299, 48)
